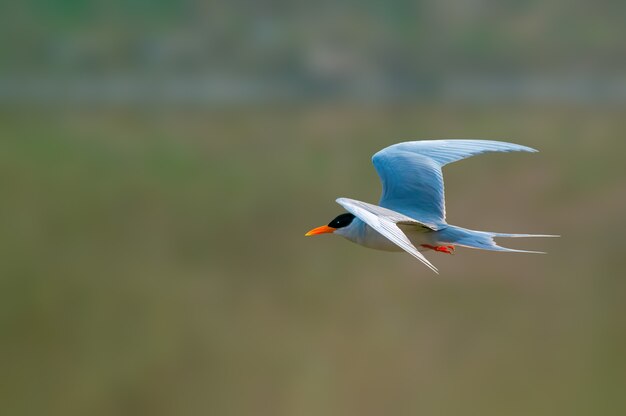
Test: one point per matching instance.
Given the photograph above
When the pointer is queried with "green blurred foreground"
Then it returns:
(155, 264)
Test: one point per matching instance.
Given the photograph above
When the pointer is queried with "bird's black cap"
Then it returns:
(341, 221)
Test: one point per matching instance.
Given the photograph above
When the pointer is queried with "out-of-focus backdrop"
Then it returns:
(161, 161)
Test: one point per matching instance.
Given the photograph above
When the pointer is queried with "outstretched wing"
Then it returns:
(384, 221)
(411, 175)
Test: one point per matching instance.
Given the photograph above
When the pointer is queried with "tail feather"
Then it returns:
(483, 240)
(523, 235)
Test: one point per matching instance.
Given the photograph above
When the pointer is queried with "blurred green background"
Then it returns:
(161, 162)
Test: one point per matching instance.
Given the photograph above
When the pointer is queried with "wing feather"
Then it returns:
(411, 175)
(384, 221)
(452, 150)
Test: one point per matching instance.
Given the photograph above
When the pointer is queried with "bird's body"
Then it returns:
(411, 211)
(364, 235)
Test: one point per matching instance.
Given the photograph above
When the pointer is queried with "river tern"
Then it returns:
(411, 214)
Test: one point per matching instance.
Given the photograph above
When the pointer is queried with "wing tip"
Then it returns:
(530, 149)
(423, 259)
(430, 266)
(514, 147)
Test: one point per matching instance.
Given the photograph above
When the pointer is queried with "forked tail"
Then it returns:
(483, 240)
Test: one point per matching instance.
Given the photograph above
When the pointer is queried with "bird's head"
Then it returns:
(339, 225)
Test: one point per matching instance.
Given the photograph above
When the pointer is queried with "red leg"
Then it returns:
(442, 249)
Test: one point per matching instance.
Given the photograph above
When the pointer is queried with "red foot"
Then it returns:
(441, 249)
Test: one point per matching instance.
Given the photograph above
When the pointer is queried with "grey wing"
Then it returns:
(411, 175)
(384, 221)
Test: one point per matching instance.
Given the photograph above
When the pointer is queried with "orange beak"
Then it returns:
(324, 229)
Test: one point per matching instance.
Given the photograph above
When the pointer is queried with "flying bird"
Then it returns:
(411, 213)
